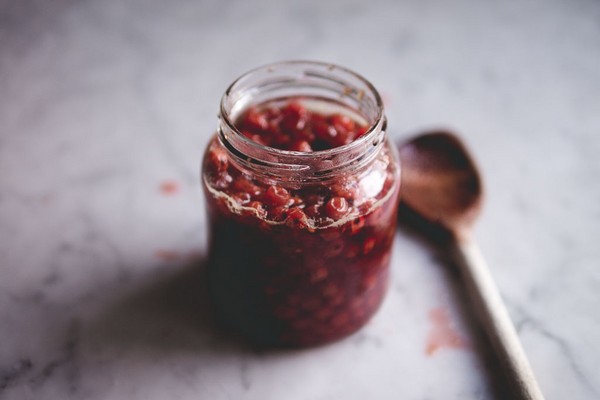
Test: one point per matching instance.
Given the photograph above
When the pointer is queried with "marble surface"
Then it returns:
(105, 109)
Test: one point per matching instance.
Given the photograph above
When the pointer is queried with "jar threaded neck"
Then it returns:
(302, 80)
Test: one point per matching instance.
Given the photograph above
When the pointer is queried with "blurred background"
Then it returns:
(105, 109)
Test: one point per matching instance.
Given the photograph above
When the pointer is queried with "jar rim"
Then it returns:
(291, 160)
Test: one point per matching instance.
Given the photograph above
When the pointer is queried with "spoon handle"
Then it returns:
(496, 320)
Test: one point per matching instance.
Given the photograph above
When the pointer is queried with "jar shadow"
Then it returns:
(439, 242)
(170, 315)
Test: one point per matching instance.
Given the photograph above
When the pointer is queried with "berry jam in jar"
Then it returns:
(302, 189)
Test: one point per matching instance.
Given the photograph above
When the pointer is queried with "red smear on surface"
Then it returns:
(169, 187)
(170, 255)
(442, 333)
(167, 255)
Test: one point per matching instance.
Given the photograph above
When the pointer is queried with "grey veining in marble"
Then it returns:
(105, 109)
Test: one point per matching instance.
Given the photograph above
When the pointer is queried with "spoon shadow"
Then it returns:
(439, 241)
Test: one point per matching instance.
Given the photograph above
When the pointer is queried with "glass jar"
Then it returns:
(300, 241)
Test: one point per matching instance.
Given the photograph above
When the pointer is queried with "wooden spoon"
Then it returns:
(441, 183)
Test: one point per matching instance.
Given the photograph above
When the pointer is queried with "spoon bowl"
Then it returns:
(441, 181)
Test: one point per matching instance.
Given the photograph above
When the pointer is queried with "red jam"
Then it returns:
(299, 264)
(293, 127)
